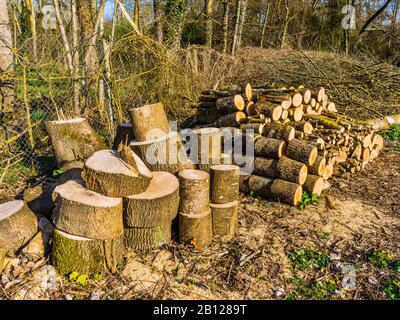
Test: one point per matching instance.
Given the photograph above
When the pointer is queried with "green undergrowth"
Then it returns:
(393, 133)
(307, 200)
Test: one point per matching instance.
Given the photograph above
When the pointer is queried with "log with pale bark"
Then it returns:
(73, 139)
(196, 230)
(149, 122)
(209, 144)
(84, 213)
(18, 225)
(225, 219)
(194, 192)
(71, 253)
(147, 238)
(116, 174)
(224, 181)
(163, 154)
(158, 205)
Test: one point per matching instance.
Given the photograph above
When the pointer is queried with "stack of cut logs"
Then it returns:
(300, 138)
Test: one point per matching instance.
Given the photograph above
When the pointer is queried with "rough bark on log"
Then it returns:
(113, 174)
(230, 104)
(301, 151)
(269, 148)
(149, 122)
(147, 238)
(251, 109)
(158, 205)
(208, 116)
(85, 213)
(270, 110)
(231, 120)
(18, 225)
(285, 101)
(71, 253)
(259, 185)
(279, 131)
(163, 154)
(265, 167)
(318, 166)
(314, 184)
(209, 144)
(224, 186)
(124, 135)
(73, 140)
(385, 123)
(287, 192)
(196, 229)
(194, 192)
(291, 170)
(225, 219)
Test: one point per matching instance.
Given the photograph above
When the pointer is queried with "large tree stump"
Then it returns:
(194, 192)
(18, 225)
(163, 154)
(113, 174)
(269, 147)
(314, 184)
(279, 131)
(302, 151)
(85, 213)
(73, 140)
(287, 192)
(196, 229)
(124, 135)
(149, 122)
(148, 238)
(224, 184)
(225, 219)
(71, 253)
(158, 205)
(291, 170)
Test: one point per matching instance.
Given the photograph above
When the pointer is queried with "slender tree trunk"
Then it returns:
(136, 17)
(236, 32)
(6, 59)
(32, 26)
(286, 25)
(209, 22)
(264, 28)
(226, 25)
(75, 55)
(242, 20)
(158, 16)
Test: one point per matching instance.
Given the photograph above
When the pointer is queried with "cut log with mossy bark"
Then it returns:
(71, 253)
(269, 147)
(270, 110)
(85, 213)
(73, 139)
(18, 225)
(116, 174)
(149, 122)
(225, 219)
(287, 192)
(124, 135)
(291, 170)
(143, 239)
(314, 185)
(166, 153)
(231, 120)
(158, 205)
(301, 151)
(194, 192)
(224, 184)
(318, 166)
(279, 131)
(285, 101)
(265, 167)
(196, 230)
(230, 104)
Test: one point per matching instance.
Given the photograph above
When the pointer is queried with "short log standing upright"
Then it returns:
(195, 222)
(225, 200)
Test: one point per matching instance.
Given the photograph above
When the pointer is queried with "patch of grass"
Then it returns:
(393, 133)
(384, 260)
(15, 172)
(303, 259)
(312, 290)
(392, 289)
(308, 200)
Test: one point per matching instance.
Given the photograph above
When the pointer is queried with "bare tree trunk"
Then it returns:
(286, 25)
(236, 33)
(32, 26)
(242, 20)
(264, 28)
(226, 25)
(6, 59)
(75, 56)
(158, 16)
(209, 22)
(136, 17)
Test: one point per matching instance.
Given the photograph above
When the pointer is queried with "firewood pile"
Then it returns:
(300, 139)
